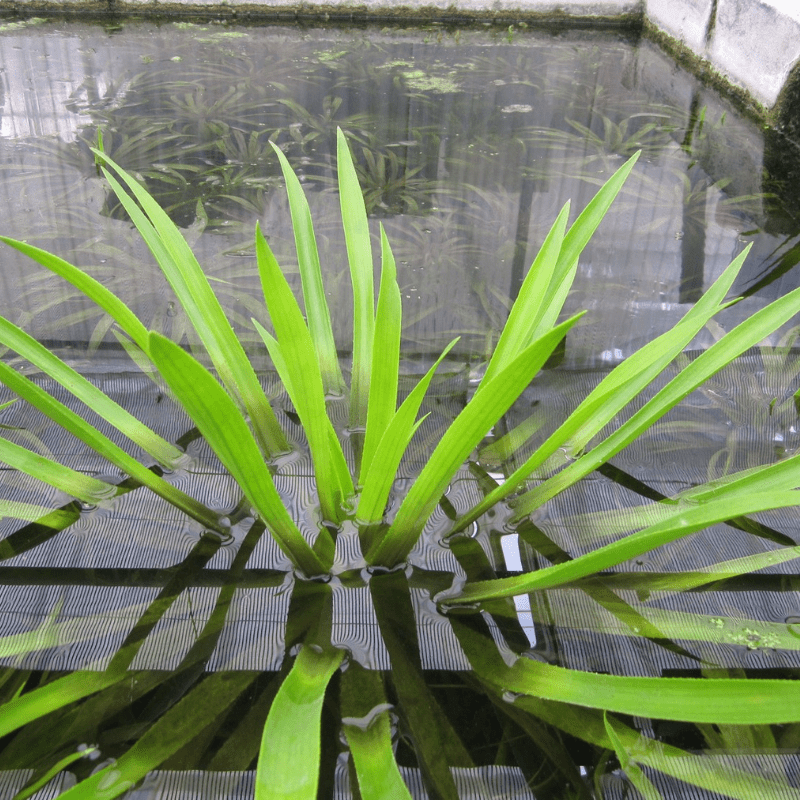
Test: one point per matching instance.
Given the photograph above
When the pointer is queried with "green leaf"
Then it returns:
(29, 512)
(632, 770)
(377, 482)
(86, 392)
(101, 444)
(734, 701)
(67, 480)
(708, 363)
(688, 521)
(457, 443)
(436, 742)
(319, 320)
(692, 579)
(179, 726)
(53, 771)
(384, 378)
(52, 696)
(180, 267)
(227, 433)
(706, 772)
(338, 484)
(367, 727)
(587, 724)
(772, 477)
(301, 368)
(288, 762)
(531, 303)
(94, 290)
(574, 242)
(624, 383)
(359, 254)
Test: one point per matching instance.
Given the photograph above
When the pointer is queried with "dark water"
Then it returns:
(467, 144)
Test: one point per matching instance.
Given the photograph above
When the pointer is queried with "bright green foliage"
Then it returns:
(292, 733)
(355, 486)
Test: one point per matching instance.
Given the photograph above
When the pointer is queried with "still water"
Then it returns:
(467, 143)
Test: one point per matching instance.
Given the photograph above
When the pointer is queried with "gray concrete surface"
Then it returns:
(687, 21)
(754, 44)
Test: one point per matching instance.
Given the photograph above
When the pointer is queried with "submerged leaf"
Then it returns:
(288, 762)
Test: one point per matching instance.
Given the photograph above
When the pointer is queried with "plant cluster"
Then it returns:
(321, 690)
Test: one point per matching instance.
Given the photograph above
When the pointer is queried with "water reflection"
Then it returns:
(466, 147)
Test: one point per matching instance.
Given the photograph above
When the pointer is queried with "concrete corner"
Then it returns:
(756, 43)
(684, 20)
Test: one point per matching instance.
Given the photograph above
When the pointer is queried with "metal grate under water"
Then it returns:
(102, 571)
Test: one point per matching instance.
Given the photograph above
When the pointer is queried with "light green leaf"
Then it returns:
(457, 443)
(319, 320)
(359, 253)
(288, 762)
(682, 524)
(227, 433)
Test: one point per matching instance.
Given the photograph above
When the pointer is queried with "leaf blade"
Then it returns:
(226, 431)
(292, 731)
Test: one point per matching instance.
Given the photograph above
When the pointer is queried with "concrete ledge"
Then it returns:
(756, 43)
(572, 12)
(684, 20)
(753, 44)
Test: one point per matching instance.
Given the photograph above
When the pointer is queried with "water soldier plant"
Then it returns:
(283, 730)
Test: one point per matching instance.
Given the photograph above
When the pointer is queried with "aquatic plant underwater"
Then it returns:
(293, 724)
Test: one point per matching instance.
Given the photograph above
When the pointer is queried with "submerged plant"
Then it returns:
(357, 489)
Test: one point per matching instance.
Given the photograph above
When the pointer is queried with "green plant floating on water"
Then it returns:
(232, 412)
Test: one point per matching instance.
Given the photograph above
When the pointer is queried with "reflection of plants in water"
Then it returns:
(620, 139)
(279, 721)
(130, 273)
(678, 192)
(748, 414)
(390, 186)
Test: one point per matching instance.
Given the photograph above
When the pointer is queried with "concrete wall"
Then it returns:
(754, 44)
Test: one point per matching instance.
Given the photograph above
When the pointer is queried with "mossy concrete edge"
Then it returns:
(702, 68)
(344, 12)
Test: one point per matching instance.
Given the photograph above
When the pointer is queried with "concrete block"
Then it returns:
(685, 20)
(755, 44)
